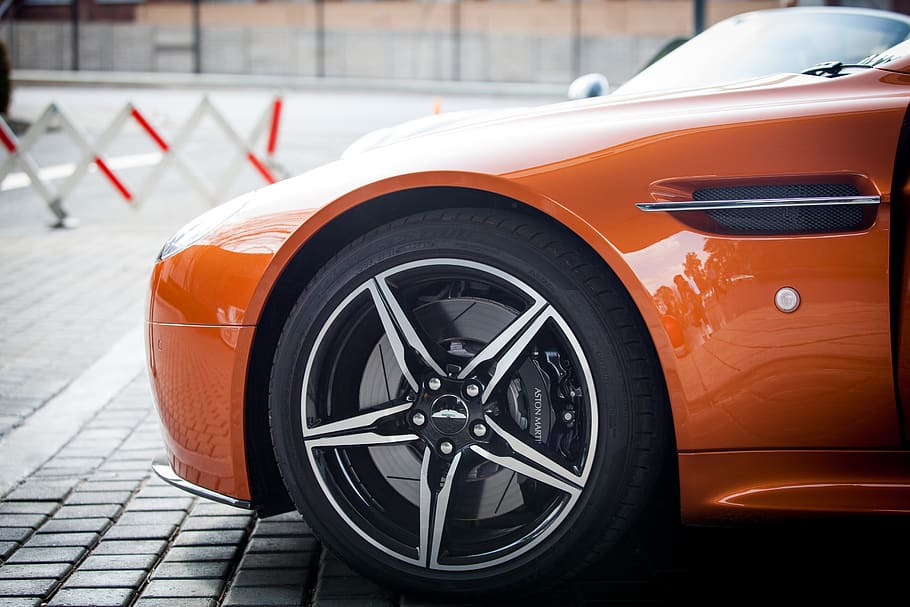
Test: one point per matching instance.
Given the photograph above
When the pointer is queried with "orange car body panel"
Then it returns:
(739, 485)
(741, 375)
(197, 374)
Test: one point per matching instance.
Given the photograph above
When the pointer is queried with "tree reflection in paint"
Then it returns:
(689, 306)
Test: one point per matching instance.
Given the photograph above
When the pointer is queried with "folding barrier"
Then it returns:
(18, 153)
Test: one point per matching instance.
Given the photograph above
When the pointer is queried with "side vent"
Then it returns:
(771, 192)
(812, 208)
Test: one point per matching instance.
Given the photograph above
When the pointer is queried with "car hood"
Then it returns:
(422, 126)
(447, 121)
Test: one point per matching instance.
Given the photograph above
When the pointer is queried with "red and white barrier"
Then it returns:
(18, 153)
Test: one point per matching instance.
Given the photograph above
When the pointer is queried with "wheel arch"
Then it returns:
(266, 485)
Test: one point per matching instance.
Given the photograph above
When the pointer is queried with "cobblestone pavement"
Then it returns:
(84, 522)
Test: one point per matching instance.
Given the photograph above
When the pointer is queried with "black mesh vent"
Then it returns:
(792, 220)
(762, 192)
(785, 220)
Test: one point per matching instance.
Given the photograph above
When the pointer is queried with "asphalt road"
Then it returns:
(83, 521)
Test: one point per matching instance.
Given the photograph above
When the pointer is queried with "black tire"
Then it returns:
(372, 484)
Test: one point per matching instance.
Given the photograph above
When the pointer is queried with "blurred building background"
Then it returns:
(481, 40)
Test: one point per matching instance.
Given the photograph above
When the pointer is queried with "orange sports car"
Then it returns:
(479, 355)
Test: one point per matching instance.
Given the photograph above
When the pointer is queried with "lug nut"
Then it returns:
(568, 416)
(418, 419)
(472, 390)
(434, 384)
(479, 430)
(446, 447)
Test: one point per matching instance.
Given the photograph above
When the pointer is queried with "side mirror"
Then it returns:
(589, 85)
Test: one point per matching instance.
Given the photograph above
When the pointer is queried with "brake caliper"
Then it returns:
(541, 394)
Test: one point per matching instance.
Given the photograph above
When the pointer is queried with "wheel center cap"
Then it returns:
(449, 414)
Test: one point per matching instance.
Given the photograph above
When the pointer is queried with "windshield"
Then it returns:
(769, 42)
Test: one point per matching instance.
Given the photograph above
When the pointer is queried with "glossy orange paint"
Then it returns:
(735, 486)
(196, 374)
(741, 375)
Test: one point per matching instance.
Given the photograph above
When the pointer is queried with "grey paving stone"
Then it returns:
(56, 473)
(107, 547)
(171, 588)
(75, 525)
(99, 497)
(106, 486)
(23, 520)
(207, 508)
(136, 476)
(209, 538)
(193, 570)
(117, 578)
(168, 517)
(43, 492)
(292, 516)
(99, 476)
(7, 548)
(14, 534)
(39, 587)
(140, 532)
(271, 577)
(282, 529)
(184, 602)
(93, 511)
(63, 539)
(200, 553)
(22, 601)
(283, 559)
(331, 566)
(69, 554)
(39, 570)
(160, 503)
(118, 561)
(282, 544)
(26, 508)
(255, 597)
(161, 490)
(93, 597)
(74, 461)
(206, 523)
(125, 466)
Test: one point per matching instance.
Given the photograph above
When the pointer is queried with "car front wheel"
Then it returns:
(465, 401)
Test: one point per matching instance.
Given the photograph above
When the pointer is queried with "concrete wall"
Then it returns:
(508, 56)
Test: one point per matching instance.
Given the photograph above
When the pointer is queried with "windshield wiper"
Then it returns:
(831, 68)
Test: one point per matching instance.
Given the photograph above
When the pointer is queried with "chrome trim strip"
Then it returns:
(755, 203)
(162, 467)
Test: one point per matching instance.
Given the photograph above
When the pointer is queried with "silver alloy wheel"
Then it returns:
(421, 313)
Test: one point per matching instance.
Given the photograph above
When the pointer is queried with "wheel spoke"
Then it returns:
(434, 505)
(551, 467)
(516, 465)
(509, 345)
(400, 331)
(495, 348)
(357, 430)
